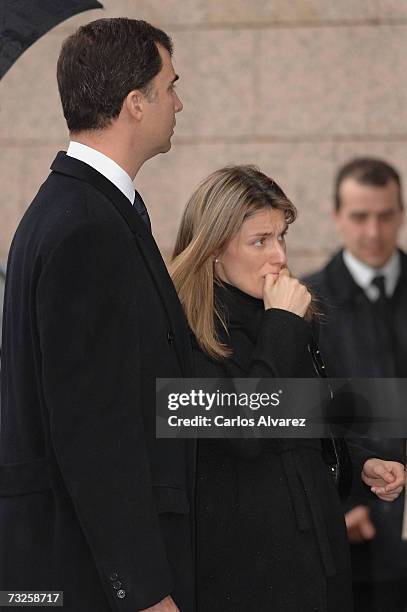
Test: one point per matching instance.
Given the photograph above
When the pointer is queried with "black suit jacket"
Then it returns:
(350, 346)
(91, 503)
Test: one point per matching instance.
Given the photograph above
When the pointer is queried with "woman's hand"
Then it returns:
(385, 478)
(286, 293)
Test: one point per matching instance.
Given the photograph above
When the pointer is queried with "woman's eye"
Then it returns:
(259, 242)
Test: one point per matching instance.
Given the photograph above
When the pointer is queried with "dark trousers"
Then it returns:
(380, 596)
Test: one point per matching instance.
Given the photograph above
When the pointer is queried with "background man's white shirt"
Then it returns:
(363, 274)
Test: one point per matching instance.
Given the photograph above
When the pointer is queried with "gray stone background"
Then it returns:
(294, 86)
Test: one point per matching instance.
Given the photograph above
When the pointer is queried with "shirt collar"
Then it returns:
(363, 274)
(105, 165)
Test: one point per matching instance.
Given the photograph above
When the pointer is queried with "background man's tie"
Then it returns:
(378, 281)
(385, 332)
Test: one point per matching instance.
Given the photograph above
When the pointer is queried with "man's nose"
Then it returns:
(178, 104)
(373, 228)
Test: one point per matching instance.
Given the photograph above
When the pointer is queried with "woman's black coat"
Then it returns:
(271, 533)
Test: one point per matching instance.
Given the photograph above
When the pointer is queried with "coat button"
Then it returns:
(114, 576)
(116, 585)
(170, 337)
(121, 594)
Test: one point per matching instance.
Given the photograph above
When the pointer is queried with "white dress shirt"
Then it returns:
(106, 166)
(363, 274)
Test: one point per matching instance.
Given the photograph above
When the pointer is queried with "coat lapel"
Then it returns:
(340, 282)
(343, 287)
(402, 281)
(70, 166)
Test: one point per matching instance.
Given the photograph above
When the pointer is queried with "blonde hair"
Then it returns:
(213, 215)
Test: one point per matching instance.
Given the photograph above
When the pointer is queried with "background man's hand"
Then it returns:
(360, 527)
(165, 605)
(385, 478)
(286, 293)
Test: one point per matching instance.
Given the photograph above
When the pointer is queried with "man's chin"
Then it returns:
(166, 148)
(376, 261)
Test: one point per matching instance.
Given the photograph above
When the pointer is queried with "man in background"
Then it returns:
(363, 293)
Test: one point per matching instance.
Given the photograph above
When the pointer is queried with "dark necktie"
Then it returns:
(378, 281)
(385, 331)
(141, 209)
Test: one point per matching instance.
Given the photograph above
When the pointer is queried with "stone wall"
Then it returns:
(296, 87)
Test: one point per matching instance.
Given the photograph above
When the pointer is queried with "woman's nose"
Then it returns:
(279, 254)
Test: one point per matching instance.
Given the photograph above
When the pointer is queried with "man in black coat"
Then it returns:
(90, 502)
(363, 293)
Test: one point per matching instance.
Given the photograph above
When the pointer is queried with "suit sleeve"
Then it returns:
(87, 320)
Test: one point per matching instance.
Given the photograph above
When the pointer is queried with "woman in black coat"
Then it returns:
(271, 533)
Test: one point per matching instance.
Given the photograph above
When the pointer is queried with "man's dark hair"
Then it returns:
(101, 63)
(367, 171)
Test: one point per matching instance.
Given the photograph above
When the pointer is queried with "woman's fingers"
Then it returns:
(388, 497)
(385, 478)
(269, 281)
(383, 491)
(286, 293)
(377, 472)
(397, 473)
(383, 472)
(400, 475)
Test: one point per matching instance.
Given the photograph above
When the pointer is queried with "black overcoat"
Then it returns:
(91, 503)
(349, 339)
(270, 528)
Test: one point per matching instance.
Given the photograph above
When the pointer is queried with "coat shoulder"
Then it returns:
(63, 210)
(327, 284)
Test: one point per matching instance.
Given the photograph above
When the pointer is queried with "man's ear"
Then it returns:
(135, 102)
(336, 218)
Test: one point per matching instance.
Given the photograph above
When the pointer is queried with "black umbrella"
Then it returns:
(22, 22)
